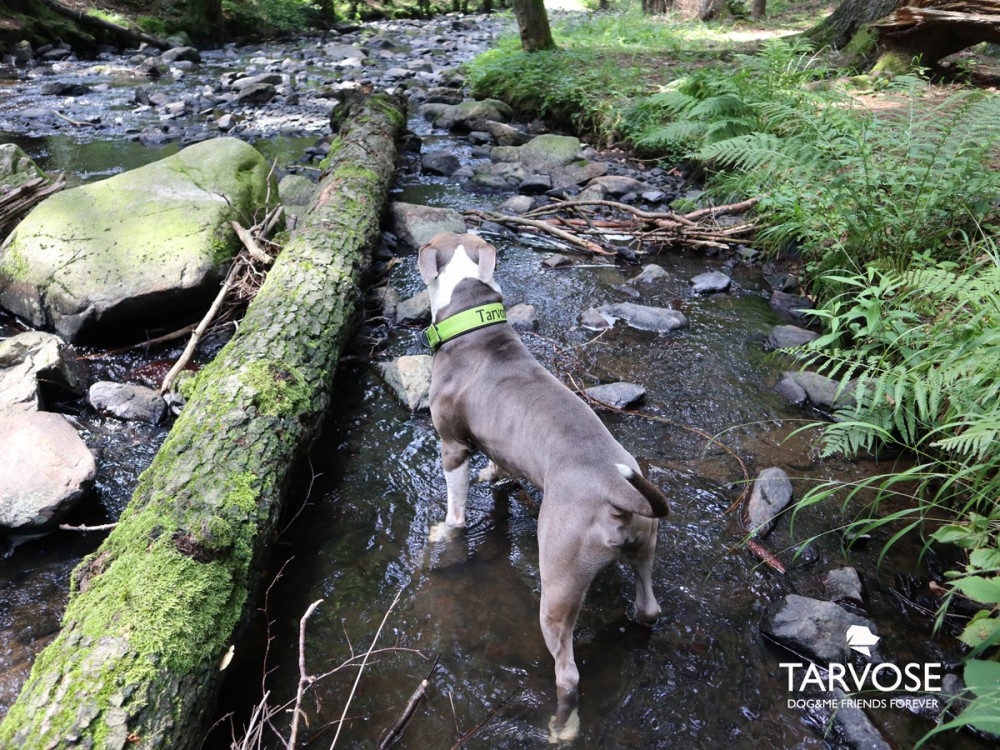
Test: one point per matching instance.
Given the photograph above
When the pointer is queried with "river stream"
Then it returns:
(358, 525)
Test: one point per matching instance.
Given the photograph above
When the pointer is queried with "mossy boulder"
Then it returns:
(16, 167)
(542, 153)
(137, 251)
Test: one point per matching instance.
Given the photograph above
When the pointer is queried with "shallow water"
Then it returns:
(357, 536)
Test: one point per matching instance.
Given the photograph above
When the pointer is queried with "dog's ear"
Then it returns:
(427, 262)
(487, 261)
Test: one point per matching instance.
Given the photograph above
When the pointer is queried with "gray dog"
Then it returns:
(488, 393)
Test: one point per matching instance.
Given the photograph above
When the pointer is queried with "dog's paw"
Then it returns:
(568, 732)
(445, 532)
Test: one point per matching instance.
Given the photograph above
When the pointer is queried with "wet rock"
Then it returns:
(23, 52)
(415, 310)
(534, 184)
(654, 196)
(340, 53)
(576, 174)
(814, 628)
(415, 225)
(469, 116)
(62, 470)
(792, 391)
(772, 493)
(256, 93)
(484, 182)
(523, 317)
(132, 403)
(61, 88)
(541, 154)
(855, 727)
(179, 54)
(617, 395)
(557, 261)
(94, 258)
(594, 320)
(616, 185)
(506, 135)
(643, 317)
(296, 190)
(444, 95)
(782, 282)
(409, 378)
(790, 304)
(440, 162)
(16, 167)
(480, 138)
(824, 392)
(32, 365)
(711, 282)
(651, 274)
(843, 584)
(241, 84)
(516, 205)
(784, 337)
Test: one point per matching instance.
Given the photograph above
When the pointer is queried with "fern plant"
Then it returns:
(851, 185)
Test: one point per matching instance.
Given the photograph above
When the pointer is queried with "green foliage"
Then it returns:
(269, 16)
(713, 105)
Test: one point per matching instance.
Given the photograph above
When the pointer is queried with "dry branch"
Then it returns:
(17, 202)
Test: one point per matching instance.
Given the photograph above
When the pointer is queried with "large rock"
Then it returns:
(62, 470)
(643, 317)
(468, 116)
(136, 249)
(32, 365)
(16, 167)
(824, 392)
(409, 378)
(814, 628)
(415, 224)
(784, 337)
(617, 395)
(541, 154)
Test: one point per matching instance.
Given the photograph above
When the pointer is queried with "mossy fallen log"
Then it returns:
(154, 609)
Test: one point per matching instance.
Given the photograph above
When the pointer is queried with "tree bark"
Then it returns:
(533, 24)
(758, 9)
(155, 608)
(655, 7)
(839, 28)
(939, 28)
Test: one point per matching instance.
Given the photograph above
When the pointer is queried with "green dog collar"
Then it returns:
(460, 323)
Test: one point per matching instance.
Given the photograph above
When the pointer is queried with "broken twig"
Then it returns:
(411, 706)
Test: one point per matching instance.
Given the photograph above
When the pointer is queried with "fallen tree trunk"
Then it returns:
(937, 28)
(155, 608)
(99, 24)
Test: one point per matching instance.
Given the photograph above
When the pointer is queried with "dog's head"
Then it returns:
(458, 268)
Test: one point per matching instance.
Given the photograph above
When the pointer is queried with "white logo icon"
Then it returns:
(860, 638)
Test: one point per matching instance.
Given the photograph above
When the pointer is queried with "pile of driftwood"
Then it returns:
(600, 227)
(16, 202)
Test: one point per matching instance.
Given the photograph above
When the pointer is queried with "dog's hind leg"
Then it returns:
(646, 607)
(455, 458)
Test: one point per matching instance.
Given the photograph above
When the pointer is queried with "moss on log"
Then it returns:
(155, 608)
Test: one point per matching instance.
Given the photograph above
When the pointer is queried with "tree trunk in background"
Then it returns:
(209, 23)
(839, 28)
(655, 7)
(758, 9)
(937, 29)
(533, 24)
(703, 10)
(155, 608)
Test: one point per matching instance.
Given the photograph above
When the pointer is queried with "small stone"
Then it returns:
(516, 205)
(616, 186)
(654, 196)
(416, 225)
(129, 402)
(785, 337)
(534, 184)
(617, 395)
(594, 320)
(440, 163)
(409, 378)
(649, 275)
(523, 317)
(788, 388)
(557, 261)
(414, 311)
(176, 54)
(843, 584)
(772, 492)
(258, 93)
(480, 138)
(791, 304)
(824, 392)
(711, 282)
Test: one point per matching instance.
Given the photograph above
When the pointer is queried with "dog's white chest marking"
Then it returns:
(459, 268)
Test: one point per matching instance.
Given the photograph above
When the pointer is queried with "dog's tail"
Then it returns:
(655, 505)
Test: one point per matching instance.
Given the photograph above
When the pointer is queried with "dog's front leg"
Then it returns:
(456, 476)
